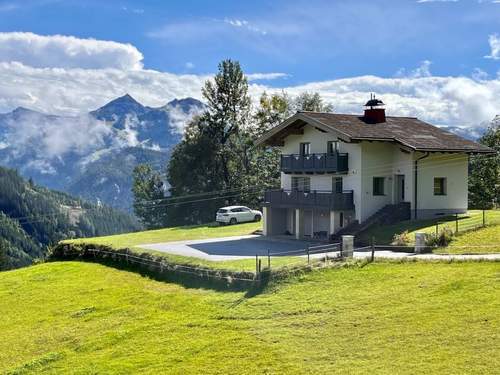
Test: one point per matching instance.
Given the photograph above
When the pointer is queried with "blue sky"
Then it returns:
(308, 40)
(310, 44)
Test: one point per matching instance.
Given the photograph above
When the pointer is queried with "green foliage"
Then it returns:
(484, 177)
(384, 318)
(309, 101)
(401, 239)
(149, 197)
(443, 238)
(32, 217)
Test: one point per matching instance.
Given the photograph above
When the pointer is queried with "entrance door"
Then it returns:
(400, 188)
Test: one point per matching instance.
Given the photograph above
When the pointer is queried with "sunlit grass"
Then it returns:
(383, 318)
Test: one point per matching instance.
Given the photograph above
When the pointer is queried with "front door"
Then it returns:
(400, 188)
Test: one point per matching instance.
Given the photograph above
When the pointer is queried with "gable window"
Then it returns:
(337, 184)
(305, 148)
(332, 147)
(301, 184)
(378, 185)
(439, 186)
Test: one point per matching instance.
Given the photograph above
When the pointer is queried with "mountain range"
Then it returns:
(93, 155)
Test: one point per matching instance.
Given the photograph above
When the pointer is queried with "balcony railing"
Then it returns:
(313, 199)
(314, 163)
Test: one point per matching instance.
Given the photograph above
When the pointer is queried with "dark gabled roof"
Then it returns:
(407, 131)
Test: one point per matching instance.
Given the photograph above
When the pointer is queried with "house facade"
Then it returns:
(339, 169)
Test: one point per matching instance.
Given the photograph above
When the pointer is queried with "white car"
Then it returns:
(237, 214)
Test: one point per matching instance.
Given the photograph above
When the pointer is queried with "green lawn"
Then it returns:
(132, 240)
(384, 318)
(195, 232)
(384, 233)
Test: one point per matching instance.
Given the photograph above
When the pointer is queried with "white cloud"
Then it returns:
(179, 119)
(440, 100)
(266, 76)
(244, 24)
(54, 137)
(73, 91)
(494, 41)
(422, 71)
(58, 51)
(189, 65)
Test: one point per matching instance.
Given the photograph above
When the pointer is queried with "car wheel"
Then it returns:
(233, 221)
(257, 218)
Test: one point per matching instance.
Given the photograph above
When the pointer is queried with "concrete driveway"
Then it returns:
(228, 248)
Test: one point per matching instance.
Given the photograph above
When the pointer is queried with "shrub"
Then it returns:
(442, 239)
(401, 239)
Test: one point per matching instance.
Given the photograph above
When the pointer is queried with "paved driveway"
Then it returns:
(227, 248)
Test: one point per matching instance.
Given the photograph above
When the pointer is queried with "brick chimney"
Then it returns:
(374, 111)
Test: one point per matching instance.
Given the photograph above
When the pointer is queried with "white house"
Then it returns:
(338, 169)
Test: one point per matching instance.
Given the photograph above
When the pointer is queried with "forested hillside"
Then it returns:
(33, 217)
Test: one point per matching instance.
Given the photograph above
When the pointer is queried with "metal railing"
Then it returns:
(304, 199)
(314, 163)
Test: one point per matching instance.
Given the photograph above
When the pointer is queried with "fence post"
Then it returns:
(484, 217)
(268, 259)
(256, 264)
(373, 249)
(308, 259)
(456, 223)
(347, 246)
(260, 266)
(419, 242)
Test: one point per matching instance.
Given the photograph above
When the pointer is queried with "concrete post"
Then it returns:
(347, 246)
(332, 222)
(419, 242)
(299, 224)
(266, 221)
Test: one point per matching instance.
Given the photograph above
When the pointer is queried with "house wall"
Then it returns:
(454, 167)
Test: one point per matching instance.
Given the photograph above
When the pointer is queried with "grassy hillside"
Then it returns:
(195, 232)
(382, 318)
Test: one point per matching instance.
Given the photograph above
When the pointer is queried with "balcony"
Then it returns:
(313, 199)
(314, 163)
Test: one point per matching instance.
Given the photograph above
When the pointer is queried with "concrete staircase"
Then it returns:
(389, 214)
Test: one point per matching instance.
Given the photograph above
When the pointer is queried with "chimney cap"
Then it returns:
(374, 102)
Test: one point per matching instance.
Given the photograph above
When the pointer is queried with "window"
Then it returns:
(305, 148)
(332, 147)
(301, 183)
(378, 185)
(236, 210)
(439, 186)
(337, 184)
(341, 219)
(245, 209)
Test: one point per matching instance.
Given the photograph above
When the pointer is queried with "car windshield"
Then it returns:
(222, 211)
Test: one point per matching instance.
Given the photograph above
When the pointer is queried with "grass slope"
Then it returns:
(473, 219)
(384, 318)
(197, 232)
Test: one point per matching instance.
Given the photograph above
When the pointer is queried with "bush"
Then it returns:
(442, 239)
(401, 239)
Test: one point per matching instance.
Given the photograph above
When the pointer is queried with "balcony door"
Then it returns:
(301, 183)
